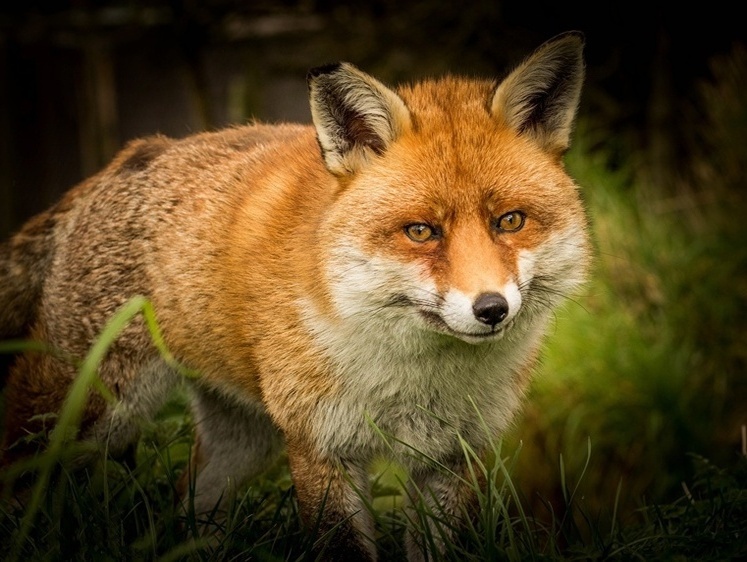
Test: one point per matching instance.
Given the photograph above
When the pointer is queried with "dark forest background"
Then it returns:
(80, 78)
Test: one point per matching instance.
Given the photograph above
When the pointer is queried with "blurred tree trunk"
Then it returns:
(198, 90)
(99, 122)
(661, 161)
(6, 189)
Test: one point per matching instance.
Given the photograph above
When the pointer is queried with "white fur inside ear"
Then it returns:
(540, 97)
(356, 116)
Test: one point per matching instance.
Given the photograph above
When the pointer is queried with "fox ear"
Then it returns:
(355, 115)
(540, 97)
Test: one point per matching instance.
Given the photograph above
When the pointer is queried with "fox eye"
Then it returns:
(420, 232)
(510, 222)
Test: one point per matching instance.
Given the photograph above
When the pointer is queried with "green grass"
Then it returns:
(110, 511)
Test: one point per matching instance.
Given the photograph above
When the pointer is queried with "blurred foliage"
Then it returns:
(650, 363)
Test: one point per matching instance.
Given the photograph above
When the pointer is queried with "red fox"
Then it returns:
(389, 271)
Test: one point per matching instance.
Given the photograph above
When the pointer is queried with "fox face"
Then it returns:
(470, 226)
(460, 250)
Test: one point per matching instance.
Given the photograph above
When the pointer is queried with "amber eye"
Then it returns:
(510, 222)
(420, 232)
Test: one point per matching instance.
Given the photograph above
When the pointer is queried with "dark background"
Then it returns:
(78, 79)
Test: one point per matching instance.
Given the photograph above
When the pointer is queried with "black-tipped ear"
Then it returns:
(355, 115)
(540, 97)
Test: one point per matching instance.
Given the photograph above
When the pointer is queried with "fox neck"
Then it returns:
(397, 381)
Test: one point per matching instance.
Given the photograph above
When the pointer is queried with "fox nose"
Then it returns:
(490, 308)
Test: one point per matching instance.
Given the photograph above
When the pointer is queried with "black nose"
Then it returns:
(490, 308)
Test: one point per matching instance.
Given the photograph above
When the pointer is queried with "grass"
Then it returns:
(110, 511)
(632, 443)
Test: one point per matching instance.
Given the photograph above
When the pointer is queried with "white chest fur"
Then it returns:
(404, 389)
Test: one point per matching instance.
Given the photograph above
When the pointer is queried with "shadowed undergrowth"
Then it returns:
(111, 511)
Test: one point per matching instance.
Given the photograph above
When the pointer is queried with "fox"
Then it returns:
(376, 282)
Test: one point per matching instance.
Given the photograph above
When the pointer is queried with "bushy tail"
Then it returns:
(24, 260)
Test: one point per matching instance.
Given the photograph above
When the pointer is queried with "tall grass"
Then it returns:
(112, 511)
(632, 444)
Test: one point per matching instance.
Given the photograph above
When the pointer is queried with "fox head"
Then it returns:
(454, 214)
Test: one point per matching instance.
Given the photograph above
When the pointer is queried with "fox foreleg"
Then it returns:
(233, 443)
(439, 503)
(333, 498)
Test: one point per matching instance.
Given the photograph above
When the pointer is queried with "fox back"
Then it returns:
(375, 283)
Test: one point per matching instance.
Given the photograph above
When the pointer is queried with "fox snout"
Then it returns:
(490, 308)
(473, 319)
